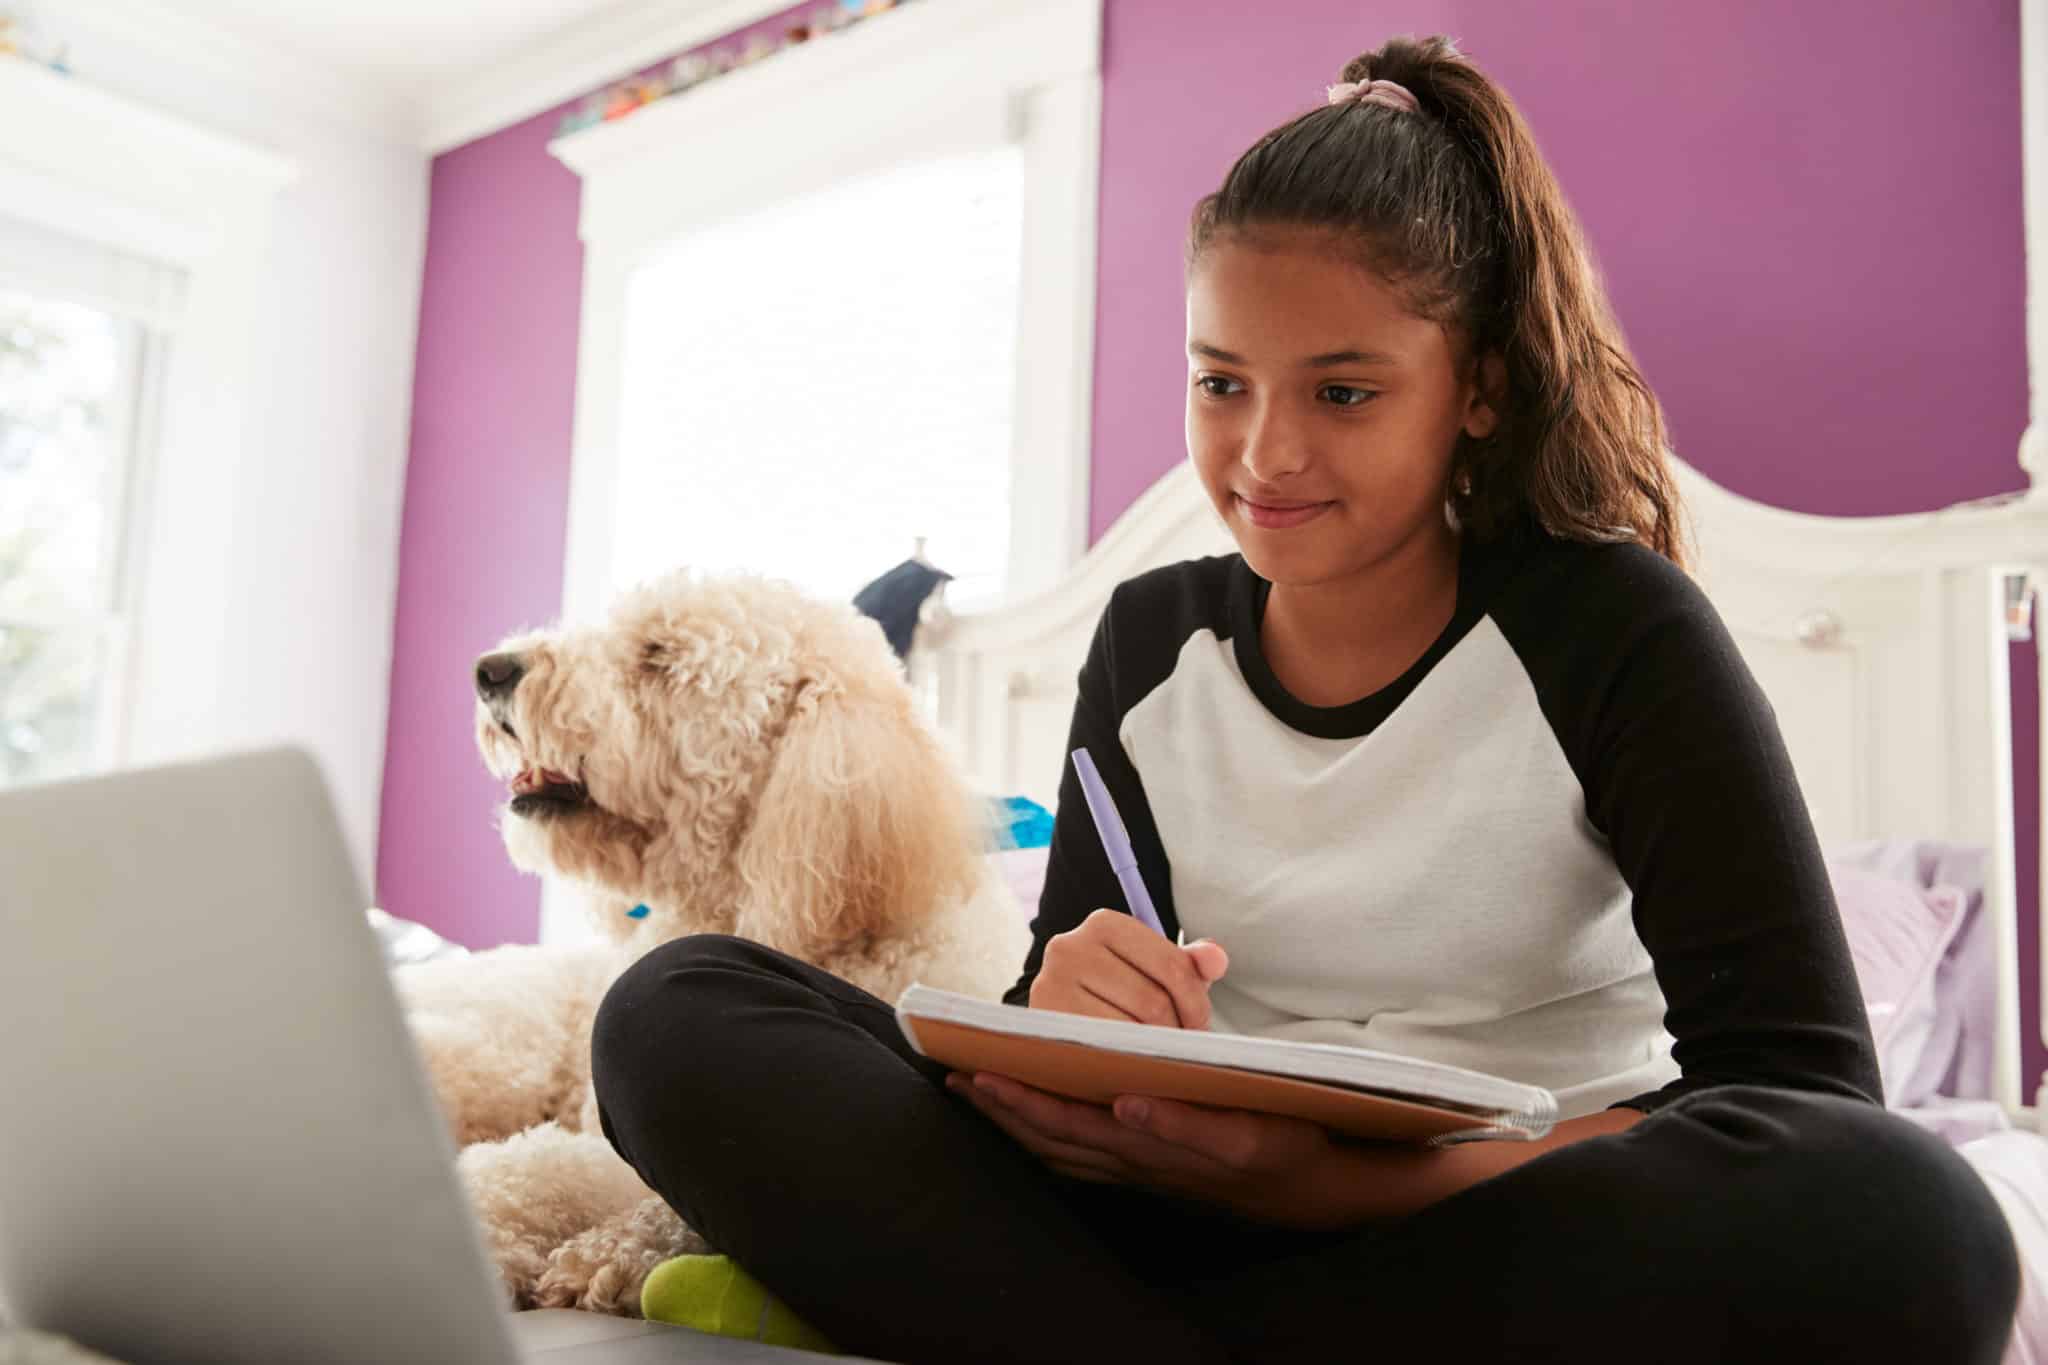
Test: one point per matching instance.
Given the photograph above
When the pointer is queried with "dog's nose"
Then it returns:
(497, 675)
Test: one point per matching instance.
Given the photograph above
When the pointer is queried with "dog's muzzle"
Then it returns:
(537, 793)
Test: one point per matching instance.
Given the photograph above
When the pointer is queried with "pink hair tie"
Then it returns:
(1375, 92)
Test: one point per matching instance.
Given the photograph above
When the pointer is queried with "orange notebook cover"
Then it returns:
(1351, 1090)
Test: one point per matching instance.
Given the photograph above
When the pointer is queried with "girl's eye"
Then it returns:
(1346, 396)
(1216, 386)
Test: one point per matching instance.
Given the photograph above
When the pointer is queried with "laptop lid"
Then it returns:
(218, 1144)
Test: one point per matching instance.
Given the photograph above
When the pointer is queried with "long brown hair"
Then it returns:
(1455, 206)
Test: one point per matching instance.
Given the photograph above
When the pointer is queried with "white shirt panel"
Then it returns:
(1445, 901)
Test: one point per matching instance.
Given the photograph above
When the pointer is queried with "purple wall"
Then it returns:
(486, 490)
(1821, 274)
(1823, 282)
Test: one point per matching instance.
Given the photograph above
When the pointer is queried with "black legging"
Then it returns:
(780, 1111)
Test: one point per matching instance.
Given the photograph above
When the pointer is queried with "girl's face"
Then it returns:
(1321, 413)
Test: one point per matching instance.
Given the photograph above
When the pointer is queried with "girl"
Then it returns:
(1453, 760)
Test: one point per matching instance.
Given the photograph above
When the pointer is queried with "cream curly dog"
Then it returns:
(723, 754)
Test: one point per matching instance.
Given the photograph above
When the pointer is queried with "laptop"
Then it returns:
(217, 1142)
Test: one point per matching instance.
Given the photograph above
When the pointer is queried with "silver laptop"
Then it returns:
(217, 1143)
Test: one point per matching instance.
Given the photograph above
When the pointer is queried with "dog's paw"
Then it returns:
(602, 1270)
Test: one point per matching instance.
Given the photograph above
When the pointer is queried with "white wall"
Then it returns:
(272, 563)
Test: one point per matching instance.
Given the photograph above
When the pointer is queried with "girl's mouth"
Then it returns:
(1280, 518)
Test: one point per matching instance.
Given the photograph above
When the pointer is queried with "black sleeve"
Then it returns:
(1685, 774)
(1078, 879)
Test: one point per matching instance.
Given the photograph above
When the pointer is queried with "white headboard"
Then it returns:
(1881, 642)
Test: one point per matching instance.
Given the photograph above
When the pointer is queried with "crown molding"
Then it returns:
(1024, 44)
(564, 65)
(122, 173)
(207, 51)
(545, 73)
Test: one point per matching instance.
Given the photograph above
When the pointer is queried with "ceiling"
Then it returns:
(401, 46)
(433, 72)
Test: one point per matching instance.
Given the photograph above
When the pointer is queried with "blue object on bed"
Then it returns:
(1018, 822)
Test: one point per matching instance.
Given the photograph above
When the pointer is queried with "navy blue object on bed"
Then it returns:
(893, 600)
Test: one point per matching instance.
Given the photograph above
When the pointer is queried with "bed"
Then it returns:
(1883, 644)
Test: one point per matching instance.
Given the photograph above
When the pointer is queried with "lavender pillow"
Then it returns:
(1898, 935)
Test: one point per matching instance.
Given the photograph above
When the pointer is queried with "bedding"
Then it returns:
(405, 942)
(2014, 1167)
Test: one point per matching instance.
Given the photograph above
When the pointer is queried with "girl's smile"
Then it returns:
(1279, 514)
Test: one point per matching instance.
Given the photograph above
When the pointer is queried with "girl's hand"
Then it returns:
(1113, 967)
(1263, 1167)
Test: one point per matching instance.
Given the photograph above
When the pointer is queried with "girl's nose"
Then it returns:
(1272, 449)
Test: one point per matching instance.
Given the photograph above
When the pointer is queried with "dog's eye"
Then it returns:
(654, 658)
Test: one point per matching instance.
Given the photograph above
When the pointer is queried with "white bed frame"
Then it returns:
(1882, 643)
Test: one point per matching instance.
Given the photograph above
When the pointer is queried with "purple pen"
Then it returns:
(1116, 842)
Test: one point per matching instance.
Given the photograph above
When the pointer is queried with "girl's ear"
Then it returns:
(1482, 409)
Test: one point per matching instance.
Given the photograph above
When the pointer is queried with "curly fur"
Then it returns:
(754, 764)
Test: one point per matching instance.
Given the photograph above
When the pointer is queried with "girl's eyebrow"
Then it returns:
(1314, 362)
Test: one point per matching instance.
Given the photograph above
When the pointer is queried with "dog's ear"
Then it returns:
(863, 825)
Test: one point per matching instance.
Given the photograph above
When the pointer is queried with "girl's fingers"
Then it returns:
(1217, 1137)
(1059, 1119)
(1068, 1158)
(1116, 990)
(1154, 967)
(1090, 1129)
(1113, 967)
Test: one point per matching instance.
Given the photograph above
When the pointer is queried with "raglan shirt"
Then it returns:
(1565, 847)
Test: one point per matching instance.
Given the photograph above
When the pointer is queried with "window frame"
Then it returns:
(117, 593)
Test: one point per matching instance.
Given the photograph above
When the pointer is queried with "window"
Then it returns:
(958, 172)
(812, 388)
(76, 360)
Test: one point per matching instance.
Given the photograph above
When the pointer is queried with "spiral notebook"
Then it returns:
(1373, 1095)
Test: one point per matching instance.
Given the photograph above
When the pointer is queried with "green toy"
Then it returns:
(712, 1294)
